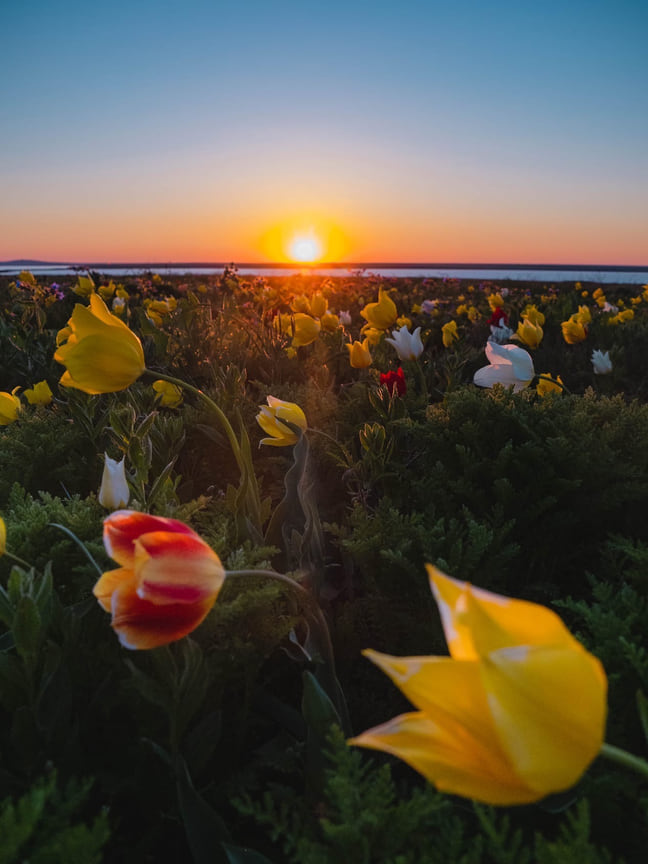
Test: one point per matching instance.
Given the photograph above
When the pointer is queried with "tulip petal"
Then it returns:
(175, 568)
(447, 759)
(549, 705)
(110, 582)
(101, 311)
(502, 374)
(451, 692)
(141, 624)
(100, 363)
(123, 527)
(477, 622)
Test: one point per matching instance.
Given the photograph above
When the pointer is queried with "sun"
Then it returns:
(305, 248)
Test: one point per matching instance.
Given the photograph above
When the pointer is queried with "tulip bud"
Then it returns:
(114, 492)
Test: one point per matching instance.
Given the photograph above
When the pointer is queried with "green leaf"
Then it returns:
(241, 855)
(642, 708)
(27, 628)
(204, 827)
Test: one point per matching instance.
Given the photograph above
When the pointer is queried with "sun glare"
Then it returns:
(305, 248)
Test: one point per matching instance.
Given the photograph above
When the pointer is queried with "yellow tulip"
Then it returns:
(39, 394)
(9, 407)
(529, 333)
(534, 315)
(100, 353)
(168, 395)
(449, 333)
(330, 322)
(383, 314)
(573, 330)
(495, 301)
(3, 536)
(359, 354)
(85, 286)
(546, 384)
(306, 329)
(516, 713)
(269, 419)
(318, 305)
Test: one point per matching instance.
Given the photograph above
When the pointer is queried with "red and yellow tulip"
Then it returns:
(167, 581)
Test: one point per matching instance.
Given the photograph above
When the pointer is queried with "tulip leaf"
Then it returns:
(204, 827)
(241, 855)
(320, 714)
(27, 627)
(6, 609)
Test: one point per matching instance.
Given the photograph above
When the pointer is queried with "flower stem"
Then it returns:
(18, 560)
(622, 757)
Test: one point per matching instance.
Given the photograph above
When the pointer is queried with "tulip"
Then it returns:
(394, 382)
(383, 314)
(114, 492)
(601, 362)
(533, 314)
(573, 330)
(345, 318)
(3, 536)
(100, 353)
(500, 333)
(546, 384)
(318, 305)
(167, 582)
(359, 354)
(509, 366)
(408, 345)
(516, 713)
(9, 407)
(529, 333)
(449, 333)
(85, 286)
(329, 322)
(39, 394)
(168, 395)
(269, 419)
(306, 329)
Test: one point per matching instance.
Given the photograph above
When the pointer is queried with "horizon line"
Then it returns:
(333, 265)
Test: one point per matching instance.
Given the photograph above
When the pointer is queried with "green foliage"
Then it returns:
(41, 826)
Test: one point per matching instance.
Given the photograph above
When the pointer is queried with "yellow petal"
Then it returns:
(549, 706)
(445, 759)
(101, 363)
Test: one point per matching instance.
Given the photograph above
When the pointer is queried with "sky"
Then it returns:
(254, 131)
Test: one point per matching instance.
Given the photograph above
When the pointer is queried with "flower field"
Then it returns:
(232, 509)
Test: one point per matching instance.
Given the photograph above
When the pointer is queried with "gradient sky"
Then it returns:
(156, 130)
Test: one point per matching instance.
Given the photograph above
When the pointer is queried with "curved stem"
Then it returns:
(225, 423)
(622, 757)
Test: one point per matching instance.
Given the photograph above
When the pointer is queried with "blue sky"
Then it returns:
(424, 130)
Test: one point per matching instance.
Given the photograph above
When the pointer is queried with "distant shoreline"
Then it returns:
(362, 265)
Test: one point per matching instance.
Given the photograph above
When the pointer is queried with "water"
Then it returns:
(571, 274)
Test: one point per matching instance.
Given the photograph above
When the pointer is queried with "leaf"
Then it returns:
(27, 628)
(241, 855)
(204, 827)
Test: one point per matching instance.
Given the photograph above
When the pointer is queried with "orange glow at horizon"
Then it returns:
(305, 240)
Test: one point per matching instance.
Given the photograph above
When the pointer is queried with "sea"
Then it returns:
(490, 272)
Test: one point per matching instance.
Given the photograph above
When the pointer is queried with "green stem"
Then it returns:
(18, 560)
(622, 757)
(220, 414)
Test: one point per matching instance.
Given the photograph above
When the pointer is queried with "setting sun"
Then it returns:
(305, 248)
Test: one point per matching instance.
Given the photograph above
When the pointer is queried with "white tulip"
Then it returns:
(408, 345)
(601, 362)
(500, 333)
(345, 318)
(509, 366)
(114, 492)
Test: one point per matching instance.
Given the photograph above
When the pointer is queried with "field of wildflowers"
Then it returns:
(234, 508)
